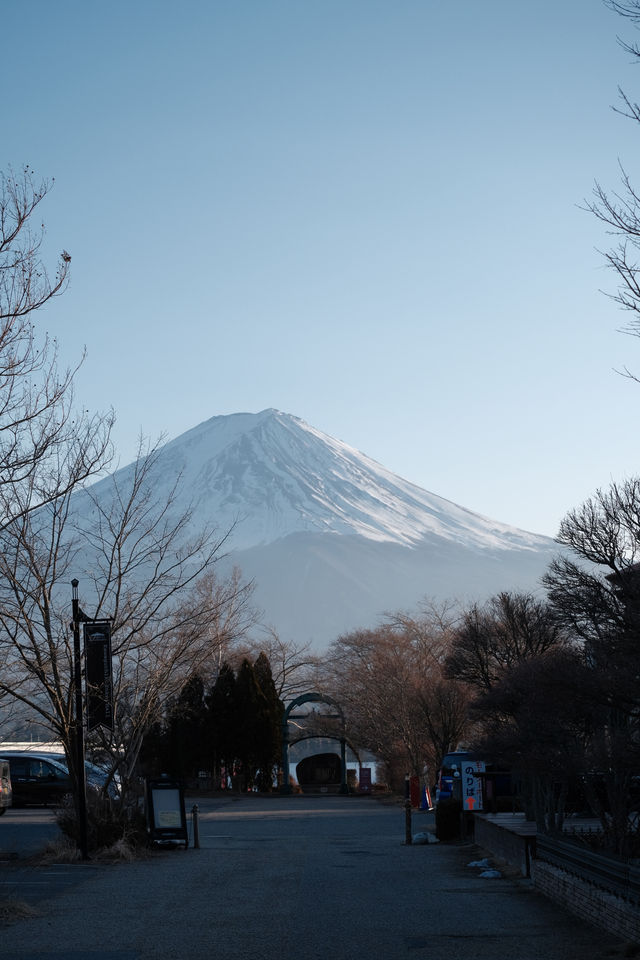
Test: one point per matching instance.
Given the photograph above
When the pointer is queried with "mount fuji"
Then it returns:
(331, 538)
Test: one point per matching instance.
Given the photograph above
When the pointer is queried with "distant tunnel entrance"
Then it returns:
(321, 772)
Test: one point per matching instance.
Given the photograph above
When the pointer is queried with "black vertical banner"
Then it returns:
(99, 680)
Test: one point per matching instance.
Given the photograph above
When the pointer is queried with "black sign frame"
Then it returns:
(166, 815)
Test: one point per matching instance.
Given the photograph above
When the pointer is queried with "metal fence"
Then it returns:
(622, 879)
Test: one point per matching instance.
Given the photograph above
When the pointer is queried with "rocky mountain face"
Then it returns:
(332, 538)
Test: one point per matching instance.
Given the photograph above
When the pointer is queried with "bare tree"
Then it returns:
(534, 720)
(493, 637)
(130, 548)
(397, 701)
(294, 667)
(46, 447)
(593, 587)
(595, 592)
(619, 209)
(430, 628)
(443, 701)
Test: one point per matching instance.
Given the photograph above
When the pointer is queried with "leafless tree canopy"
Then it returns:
(494, 636)
(136, 555)
(619, 209)
(595, 592)
(391, 685)
(46, 447)
(294, 668)
(168, 608)
(594, 588)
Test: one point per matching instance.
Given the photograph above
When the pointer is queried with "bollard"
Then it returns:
(407, 822)
(196, 835)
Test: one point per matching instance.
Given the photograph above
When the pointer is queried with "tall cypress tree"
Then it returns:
(249, 713)
(269, 732)
(186, 747)
(222, 721)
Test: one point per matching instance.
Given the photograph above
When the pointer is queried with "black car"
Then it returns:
(43, 778)
(37, 779)
(97, 777)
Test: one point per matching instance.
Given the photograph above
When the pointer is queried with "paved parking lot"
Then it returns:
(25, 831)
(316, 877)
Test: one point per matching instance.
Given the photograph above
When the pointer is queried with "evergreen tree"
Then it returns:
(222, 722)
(269, 725)
(244, 716)
(152, 760)
(186, 741)
(250, 710)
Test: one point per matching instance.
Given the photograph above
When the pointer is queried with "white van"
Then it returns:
(5, 786)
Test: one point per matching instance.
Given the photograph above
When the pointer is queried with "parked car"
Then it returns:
(37, 779)
(5, 786)
(96, 776)
(43, 777)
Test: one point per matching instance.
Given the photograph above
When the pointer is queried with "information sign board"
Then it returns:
(166, 818)
(472, 784)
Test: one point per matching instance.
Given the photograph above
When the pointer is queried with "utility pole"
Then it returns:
(81, 799)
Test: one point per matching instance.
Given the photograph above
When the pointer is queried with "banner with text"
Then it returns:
(99, 678)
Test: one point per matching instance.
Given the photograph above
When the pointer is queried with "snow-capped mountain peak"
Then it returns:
(330, 538)
(276, 475)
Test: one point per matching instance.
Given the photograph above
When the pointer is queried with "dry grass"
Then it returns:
(65, 851)
(122, 852)
(59, 851)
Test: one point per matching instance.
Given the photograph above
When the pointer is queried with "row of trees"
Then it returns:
(232, 729)
(547, 685)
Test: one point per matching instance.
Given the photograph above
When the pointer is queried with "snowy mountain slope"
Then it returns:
(313, 587)
(277, 475)
(332, 538)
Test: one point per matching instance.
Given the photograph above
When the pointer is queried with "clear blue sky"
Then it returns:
(363, 213)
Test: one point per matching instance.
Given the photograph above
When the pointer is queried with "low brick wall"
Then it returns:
(587, 901)
(511, 838)
(504, 843)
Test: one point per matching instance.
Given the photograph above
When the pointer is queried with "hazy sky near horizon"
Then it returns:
(365, 213)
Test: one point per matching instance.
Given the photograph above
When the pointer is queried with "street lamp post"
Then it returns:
(81, 798)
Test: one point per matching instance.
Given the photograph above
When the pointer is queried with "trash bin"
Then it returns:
(166, 818)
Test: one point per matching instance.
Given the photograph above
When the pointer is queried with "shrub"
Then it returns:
(109, 824)
(448, 813)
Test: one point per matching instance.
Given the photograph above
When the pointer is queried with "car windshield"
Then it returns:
(59, 767)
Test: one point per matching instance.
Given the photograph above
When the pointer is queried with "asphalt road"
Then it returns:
(297, 877)
(25, 831)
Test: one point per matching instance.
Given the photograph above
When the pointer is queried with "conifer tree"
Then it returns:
(250, 709)
(186, 741)
(221, 722)
(269, 725)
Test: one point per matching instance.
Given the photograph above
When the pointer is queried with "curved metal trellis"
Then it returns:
(289, 715)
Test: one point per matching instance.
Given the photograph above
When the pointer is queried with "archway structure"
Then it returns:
(290, 715)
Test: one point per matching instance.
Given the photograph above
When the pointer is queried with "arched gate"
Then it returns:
(290, 715)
